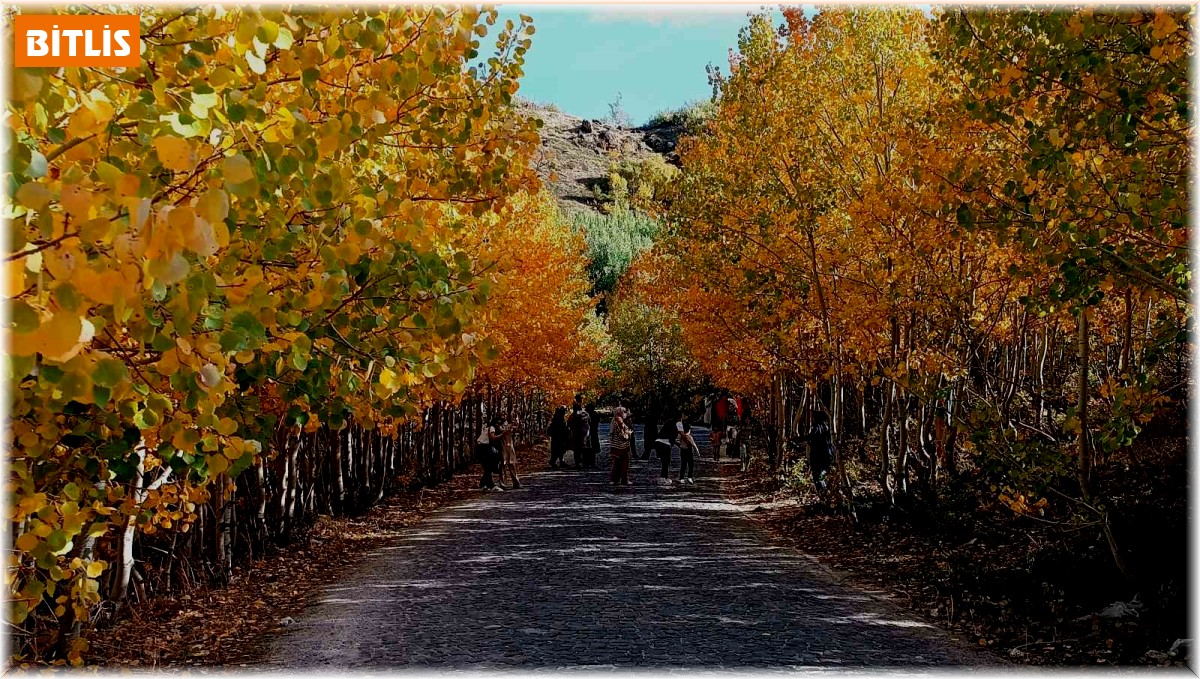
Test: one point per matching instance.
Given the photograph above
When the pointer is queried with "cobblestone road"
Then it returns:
(569, 572)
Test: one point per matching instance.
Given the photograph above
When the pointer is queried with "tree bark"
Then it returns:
(1085, 458)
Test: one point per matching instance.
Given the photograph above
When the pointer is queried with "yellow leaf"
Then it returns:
(201, 238)
(102, 110)
(180, 220)
(220, 77)
(129, 185)
(175, 153)
(34, 196)
(221, 234)
(63, 337)
(14, 277)
(95, 230)
(77, 201)
(83, 122)
(329, 144)
(171, 271)
(168, 363)
(27, 542)
(217, 464)
(226, 426)
(237, 169)
(389, 379)
(213, 205)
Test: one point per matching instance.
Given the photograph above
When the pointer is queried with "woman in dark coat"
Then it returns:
(578, 426)
(558, 436)
(820, 449)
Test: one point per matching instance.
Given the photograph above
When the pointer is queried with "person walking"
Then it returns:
(622, 411)
(485, 453)
(620, 438)
(820, 449)
(688, 452)
(732, 428)
(593, 436)
(717, 428)
(559, 436)
(662, 448)
(578, 424)
(508, 461)
(743, 446)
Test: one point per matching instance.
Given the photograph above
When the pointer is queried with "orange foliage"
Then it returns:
(541, 318)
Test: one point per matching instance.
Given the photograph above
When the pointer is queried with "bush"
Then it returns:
(616, 113)
(637, 183)
(613, 240)
(691, 115)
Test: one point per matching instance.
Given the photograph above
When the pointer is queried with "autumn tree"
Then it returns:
(246, 284)
(893, 217)
(1090, 112)
(540, 315)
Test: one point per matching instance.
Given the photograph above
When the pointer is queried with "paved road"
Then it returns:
(569, 572)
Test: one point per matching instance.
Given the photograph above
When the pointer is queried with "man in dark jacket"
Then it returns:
(579, 426)
(560, 436)
(593, 436)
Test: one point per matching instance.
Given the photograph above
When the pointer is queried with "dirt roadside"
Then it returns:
(979, 586)
(232, 626)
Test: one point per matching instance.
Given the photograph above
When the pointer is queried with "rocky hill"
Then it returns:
(576, 153)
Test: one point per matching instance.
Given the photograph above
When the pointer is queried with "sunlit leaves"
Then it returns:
(1085, 128)
(175, 153)
(541, 332)
(237, 170)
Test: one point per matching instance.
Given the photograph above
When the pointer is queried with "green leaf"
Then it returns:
(109, 372)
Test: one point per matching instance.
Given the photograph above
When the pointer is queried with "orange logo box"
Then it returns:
(103, 40)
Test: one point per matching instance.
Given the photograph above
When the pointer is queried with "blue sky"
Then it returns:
(652, 55)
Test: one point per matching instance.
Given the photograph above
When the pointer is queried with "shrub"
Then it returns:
(616, 113)
(613, 240)
(691, 115)
(636, 183)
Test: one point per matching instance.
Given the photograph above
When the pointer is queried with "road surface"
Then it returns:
(569, 572)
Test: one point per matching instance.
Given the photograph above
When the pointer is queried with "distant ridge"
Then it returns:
(576, 153)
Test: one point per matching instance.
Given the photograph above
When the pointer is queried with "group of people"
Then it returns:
(496, 451)
(622, 448)
(579, 434)
(724, 415)
(676, 433)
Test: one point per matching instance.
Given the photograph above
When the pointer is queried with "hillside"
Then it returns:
(576, 153)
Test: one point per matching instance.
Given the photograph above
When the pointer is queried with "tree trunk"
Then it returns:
(885, 443)
(1127, 340)
(1085, 457)
(124, 566)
